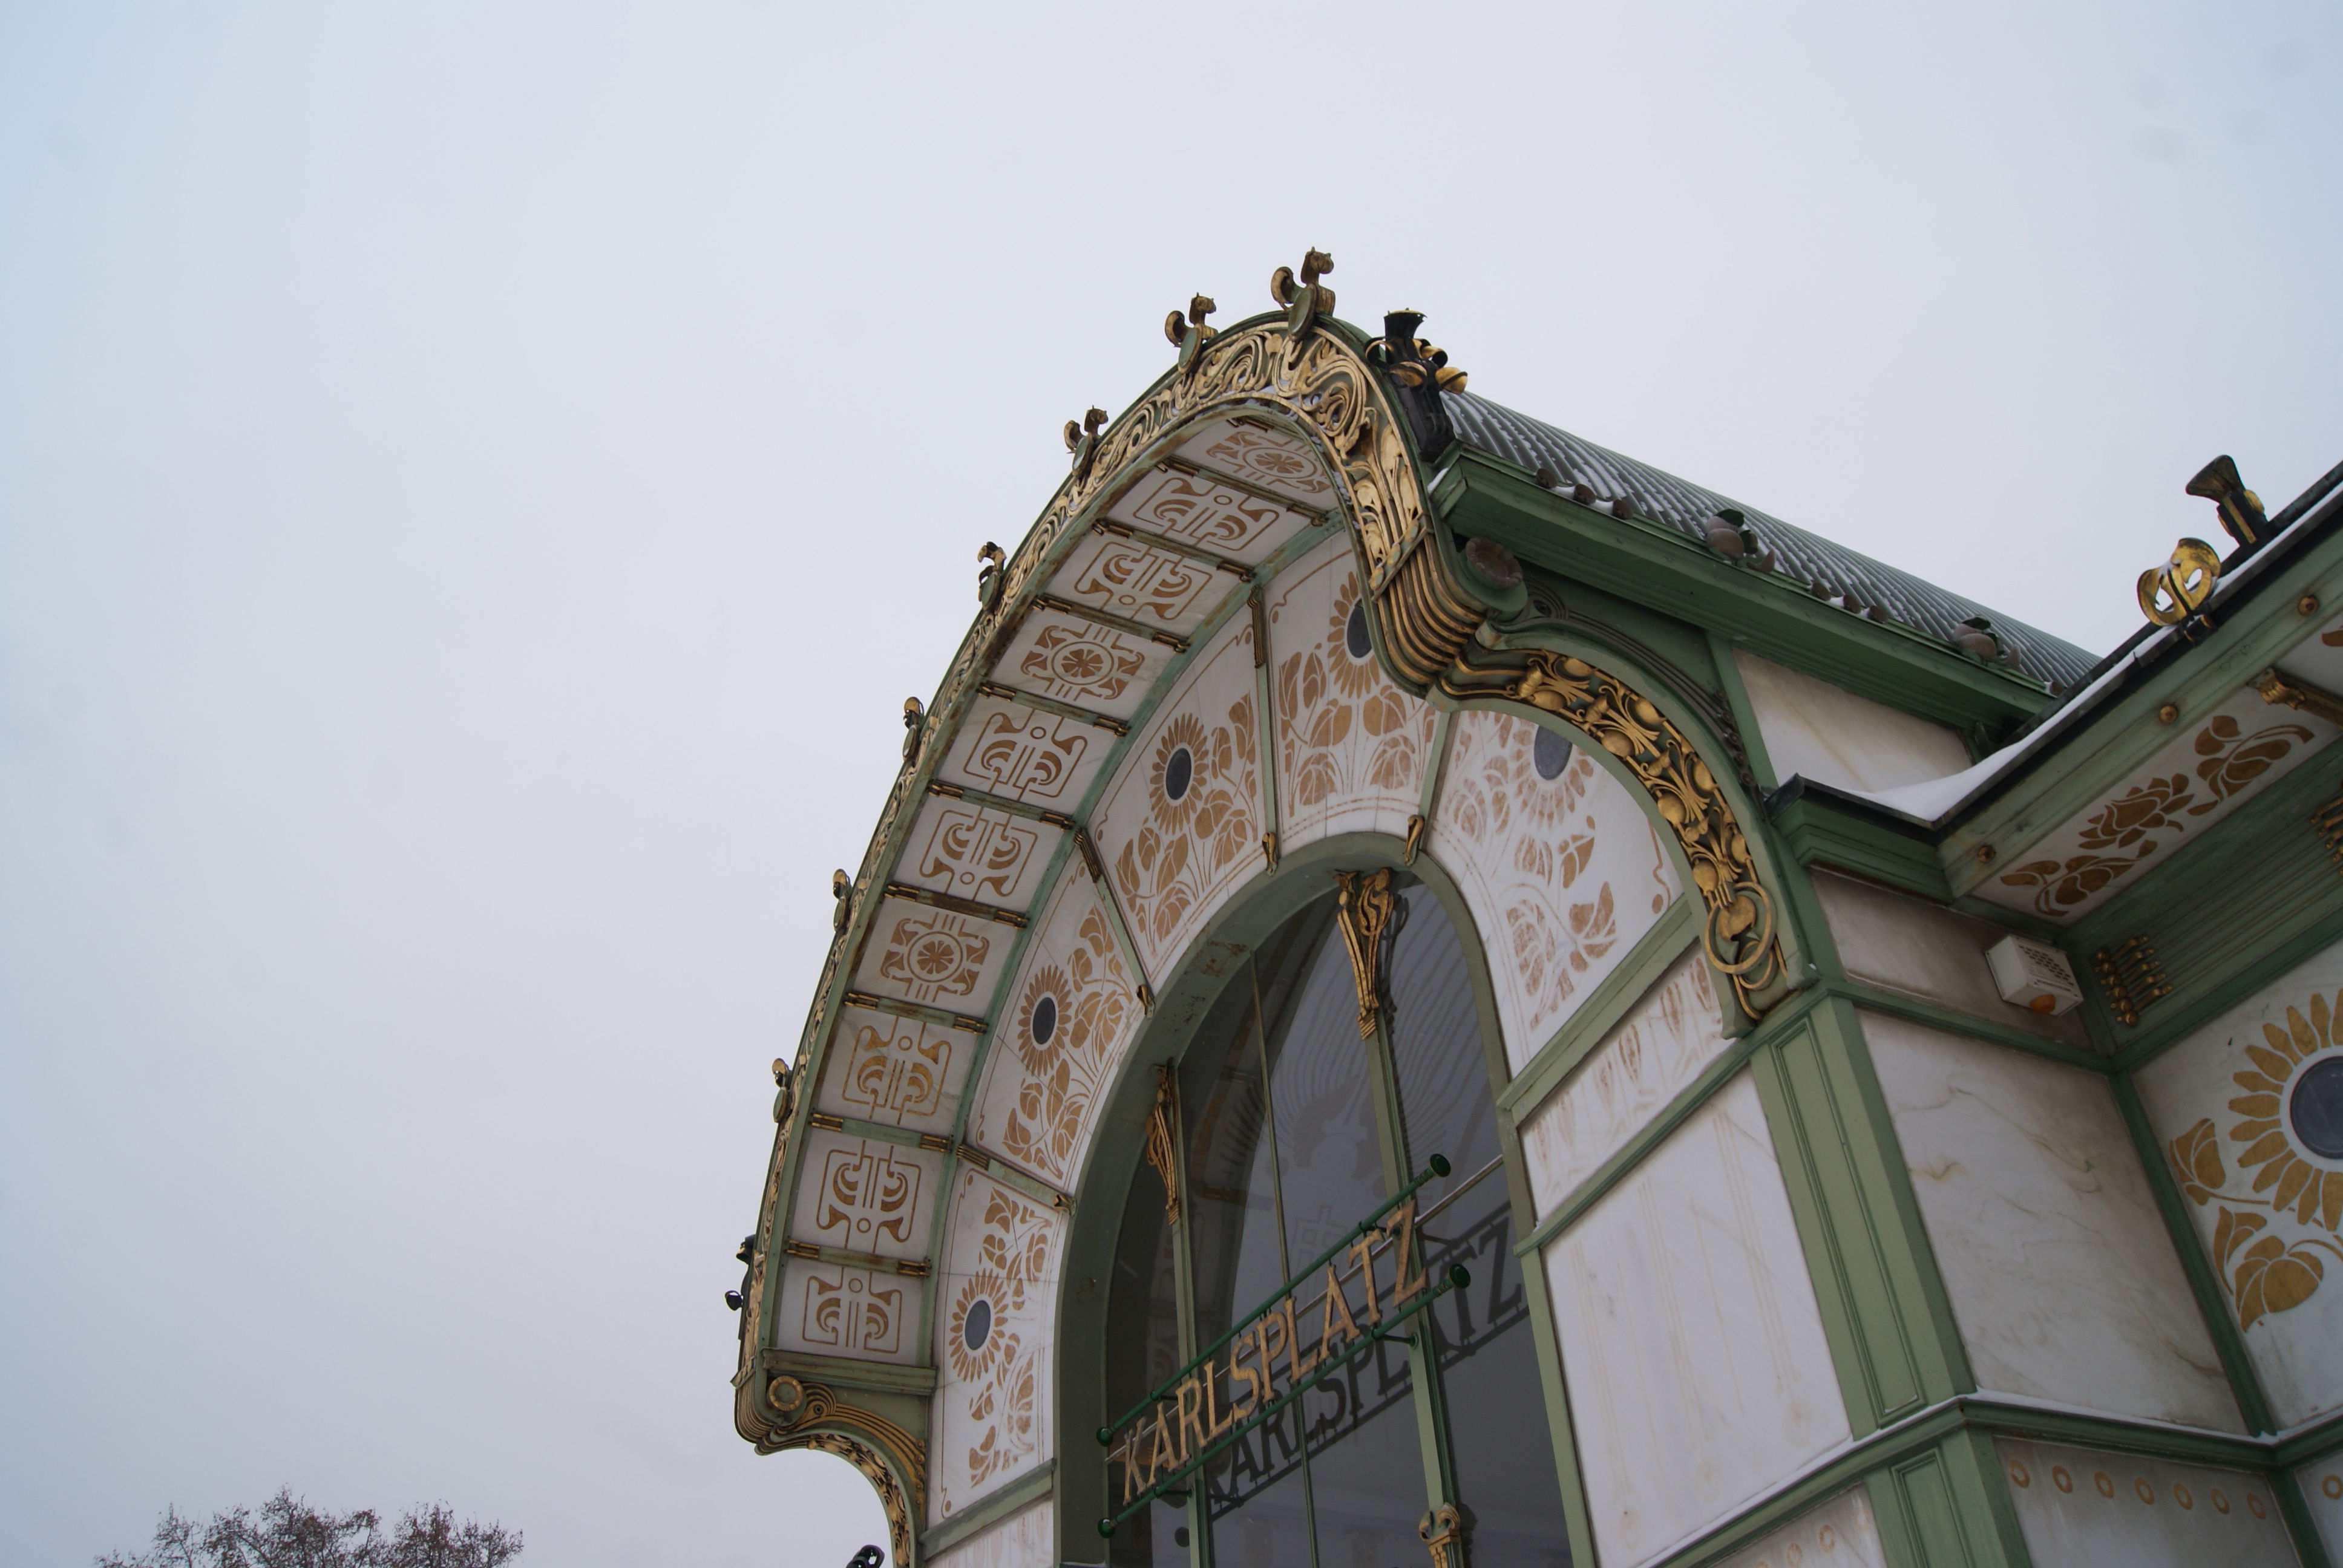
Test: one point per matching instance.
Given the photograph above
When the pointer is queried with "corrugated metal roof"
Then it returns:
(1805, 558)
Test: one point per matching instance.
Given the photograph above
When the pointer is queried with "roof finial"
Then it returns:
(1308, 299)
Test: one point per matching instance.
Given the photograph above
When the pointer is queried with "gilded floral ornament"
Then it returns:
(2265, 1271)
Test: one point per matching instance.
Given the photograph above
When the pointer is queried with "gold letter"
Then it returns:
(1363, 1249)
(1237, 1369)
(1300, 1368)
(1407, 1281)
(1190, 1416)
(1335, 1303)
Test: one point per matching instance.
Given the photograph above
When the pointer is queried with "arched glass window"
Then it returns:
(1296, 1129)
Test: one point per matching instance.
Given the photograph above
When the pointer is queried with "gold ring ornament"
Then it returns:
(2171, 593)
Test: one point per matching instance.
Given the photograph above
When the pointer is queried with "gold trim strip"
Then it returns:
(2301, 695)
(1051, 705)
(947, 790)
(912, 893)
(1171, 640)
(888, 1004)
(1117, 529)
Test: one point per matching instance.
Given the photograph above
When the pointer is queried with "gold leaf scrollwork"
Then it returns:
(1163, 1139)
(795, 1413)
(1443, 1532)
(1363, 909)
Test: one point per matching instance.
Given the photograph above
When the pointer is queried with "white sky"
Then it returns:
(477, 482)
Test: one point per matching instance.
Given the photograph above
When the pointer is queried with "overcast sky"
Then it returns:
(477, 481)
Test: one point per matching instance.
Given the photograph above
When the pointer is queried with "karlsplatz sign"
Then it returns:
(1280, 1351)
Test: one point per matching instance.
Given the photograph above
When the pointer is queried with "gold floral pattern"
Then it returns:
(933, 955)
(1072, 663)
(1152, 587)
(1068, 1020)
(1346, 735)
(2230, 761)
(2267, 1271)
(1281, 462)
(1197, 798)
(994, 1350)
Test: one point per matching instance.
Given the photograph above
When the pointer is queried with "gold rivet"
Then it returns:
(2306, 605)
(1985, 854)
(2168, 713)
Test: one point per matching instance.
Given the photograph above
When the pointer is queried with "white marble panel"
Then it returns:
(1697, 1370)
(1179, 826)
(900, 1071)
(995, 1342)
(1653, 1054)
(2062, 1276)
(1352, 747)
(1045, 760)
(2318, 657)
(1261, 455)
(866, 1196)
(1839, 1533)
(1158, 588)
(837, 1310)
(2266, 1203)
(1199, 511)
(1067, 1021)
(1557, 860)
(2322, 1487)
(2214, 761)
(1905, 944)
(1019, 1541)
(969, 852)
(1826, 733)
(2082, 1509)
(936, 958)
(1098, 669)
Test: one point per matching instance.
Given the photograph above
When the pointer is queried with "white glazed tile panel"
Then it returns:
(2084, 1508)
(1925, 950)
(1840, 1534)
(1562, 872)
(2267, 1205)
(1065, 1027)
(1043, 759)
(1160, 589)
(995, 1321)
(1259, 455)
(965, 850)
(1651, 1056)
(935, 958)
(1098, 669)
(866, 1195)
(2062, 1276)
(1830, 735)
(897, 1071)
(838, 1309)
(1019, 1541)
(1198, 511)
(1352, 747)
(2318, 657)
(1180, 825)
(1698, 1374)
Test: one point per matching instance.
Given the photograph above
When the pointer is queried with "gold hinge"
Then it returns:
(826, 1121)
(2327, 823)
(2132, 977)
(800, 1250)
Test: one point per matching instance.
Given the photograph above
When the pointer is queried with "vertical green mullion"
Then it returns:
(1183, 1290)
(1744, 714)
(2245, 1381)
(1424, 1389)
(1948, 1507)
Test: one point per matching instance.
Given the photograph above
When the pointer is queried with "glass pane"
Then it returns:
(1142, 1349)
(1366, 1467)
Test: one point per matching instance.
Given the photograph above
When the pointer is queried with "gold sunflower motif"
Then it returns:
(1179, 756)
(2299, 1183)
(976, 1338)
(1354, 674)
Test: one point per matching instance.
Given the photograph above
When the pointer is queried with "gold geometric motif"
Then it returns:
(852, 1310)
(895, 1070)
(1142, 583)
(1022, 754)
(1274, 459)
(1072, 663)
(933, 954)
(976, 854)
(2232, 761)
(1211, 516)
(2273, 1273)
(866, 1196)
(1192, 835)
(1089, 999)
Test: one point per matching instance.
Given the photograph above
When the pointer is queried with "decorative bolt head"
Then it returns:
(2168, 713)
(2306, 605)
(1985, 854)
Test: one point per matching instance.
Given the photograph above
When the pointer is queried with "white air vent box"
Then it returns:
(2033, 975)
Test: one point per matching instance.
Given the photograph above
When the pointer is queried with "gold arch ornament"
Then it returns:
(795, 1413)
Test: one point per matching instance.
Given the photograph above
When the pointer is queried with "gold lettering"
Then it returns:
(1218, 1418)
(1334, 1305)
(1259, 1388)
(1163, 1455)
(1274, 1319)
(1407, 1281)
(1191, 1429)
(1363, 1249)
(1125, 1453)
(1301, 1369)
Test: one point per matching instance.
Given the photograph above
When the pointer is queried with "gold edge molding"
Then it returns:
(786, 1413)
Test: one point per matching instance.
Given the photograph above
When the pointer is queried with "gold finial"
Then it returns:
(1307, 299)
(2219, 482)
(841, 890)
(987, 575)
(1082, 439)
(2176, 591)
(1408, 359)
(1189, 334)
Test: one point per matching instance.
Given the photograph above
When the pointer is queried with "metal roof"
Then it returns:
(1805, 558)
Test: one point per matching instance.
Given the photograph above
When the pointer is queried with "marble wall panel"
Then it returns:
(898, 1072)
(1043, 759)
(1158, 588)
(969, 852)
(865, 1195)
(1905, 944)
(997, 1300)
(1557, 860)
(1839, 1533)
(1826, 733)
(1098, 669)
(1260, 455)
(2084, 1508)
(937, 958)
(1201, 511)
(2062, 1276)
(1698, 1374)
(2214, 762)
(2236, 1109)
(1069, 1016)
(1021, 1541)
(837, 1310)
(1180, 824)
(1352, 747)
(1648, 1058)
(2322, 1488)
